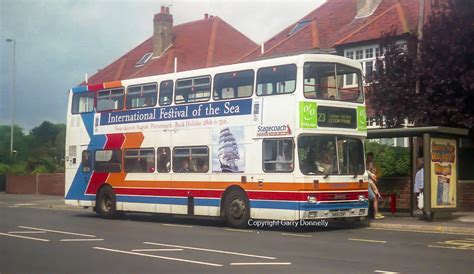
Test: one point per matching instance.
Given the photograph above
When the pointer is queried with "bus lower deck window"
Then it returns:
(108, 161)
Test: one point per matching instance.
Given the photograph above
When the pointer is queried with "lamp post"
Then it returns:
(13, 96)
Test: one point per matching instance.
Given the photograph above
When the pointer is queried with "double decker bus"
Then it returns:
(276, 139)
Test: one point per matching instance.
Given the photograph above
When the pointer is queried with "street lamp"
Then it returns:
(13, 96)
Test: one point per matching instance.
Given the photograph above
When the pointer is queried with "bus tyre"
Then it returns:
(237, 209)
(107, 203)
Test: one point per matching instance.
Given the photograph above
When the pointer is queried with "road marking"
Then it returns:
(155, 256)
(238, 230)
(275, 263)
(26, 232)
(13, 206)
(57, 231)
(24, 204)
(387, 272)
(173, 225)
(24, 237)
(80, 240)
(451, 247)
(419, 231)
(157, 249)
(296, 235)
(367, 240)
(463, 244)
(212, 250)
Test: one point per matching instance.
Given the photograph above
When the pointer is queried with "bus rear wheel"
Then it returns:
(237, 209)
(107, 203)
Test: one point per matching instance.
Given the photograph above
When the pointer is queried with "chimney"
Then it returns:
(366, 7)
(162, 31)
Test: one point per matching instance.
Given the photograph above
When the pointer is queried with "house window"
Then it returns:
(350, 54)
(145, 58)
(377, 52)
(369, 53)
(367, 56)
(301, 24)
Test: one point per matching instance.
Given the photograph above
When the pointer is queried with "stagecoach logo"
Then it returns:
(279, 130)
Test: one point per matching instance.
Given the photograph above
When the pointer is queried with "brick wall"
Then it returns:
(400, 185)
(466, 196)
(24, 184)
(51, 184)
(46, 184)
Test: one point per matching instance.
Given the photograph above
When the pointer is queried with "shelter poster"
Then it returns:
(443, 173)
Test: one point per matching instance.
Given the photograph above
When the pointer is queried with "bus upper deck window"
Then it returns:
(276, 80)
(83, 102)
(110, 99)
(191, 90)
(229, 85)
(166, 92)
(141, 96)
(331, 81)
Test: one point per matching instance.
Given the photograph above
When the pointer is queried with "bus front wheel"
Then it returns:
(107, 203)
(237, 209)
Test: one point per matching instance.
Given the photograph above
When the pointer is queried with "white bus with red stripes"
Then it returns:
(276, 139)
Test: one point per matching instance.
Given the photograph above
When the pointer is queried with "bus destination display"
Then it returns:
(337, 117)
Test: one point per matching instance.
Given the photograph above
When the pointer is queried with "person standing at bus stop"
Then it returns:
(418, 188)
(374, 193)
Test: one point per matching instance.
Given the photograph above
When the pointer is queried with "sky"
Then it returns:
(59, 41)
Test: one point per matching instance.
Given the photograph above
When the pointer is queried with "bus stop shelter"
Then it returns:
(438, 146)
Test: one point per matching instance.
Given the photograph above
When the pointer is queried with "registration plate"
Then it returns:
(338, 214)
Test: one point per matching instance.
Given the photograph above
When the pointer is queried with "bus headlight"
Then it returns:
(362, 198)
(312, 199)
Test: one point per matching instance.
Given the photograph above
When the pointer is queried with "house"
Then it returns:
(352, 28)
(203, 43)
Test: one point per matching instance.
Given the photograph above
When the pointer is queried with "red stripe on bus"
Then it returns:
(95, 181)
(114, 141)
(253, 195)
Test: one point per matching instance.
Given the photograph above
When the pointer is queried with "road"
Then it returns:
(37, 238)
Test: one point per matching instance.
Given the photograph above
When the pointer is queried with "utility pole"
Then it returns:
(13, 96)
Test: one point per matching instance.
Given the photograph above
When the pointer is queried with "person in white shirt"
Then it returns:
(419, 184)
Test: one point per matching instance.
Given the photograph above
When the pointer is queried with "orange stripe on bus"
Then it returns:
(113, 84)
(132, 140)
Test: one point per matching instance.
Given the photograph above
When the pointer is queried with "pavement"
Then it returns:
(455, 223)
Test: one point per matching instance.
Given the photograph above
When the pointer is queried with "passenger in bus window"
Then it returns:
(163, 160)
(323, 161)
(201, 165)
(185, 166)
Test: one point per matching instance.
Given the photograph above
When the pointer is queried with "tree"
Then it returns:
(40, 151)
(445, 69)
